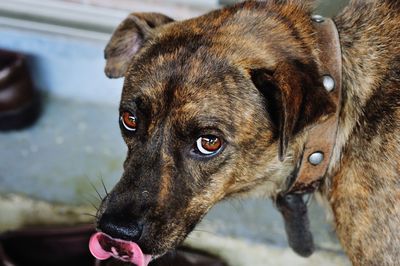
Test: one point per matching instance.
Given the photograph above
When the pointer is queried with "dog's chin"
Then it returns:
(161, 248)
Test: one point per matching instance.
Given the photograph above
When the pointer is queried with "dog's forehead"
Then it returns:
(179, 76)
(180, 92)
(188, 74)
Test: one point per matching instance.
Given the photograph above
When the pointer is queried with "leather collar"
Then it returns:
(321, 138)
(318, 149)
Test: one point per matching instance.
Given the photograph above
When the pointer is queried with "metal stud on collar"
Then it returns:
(317, 18)
(316, 158)
(329, 83)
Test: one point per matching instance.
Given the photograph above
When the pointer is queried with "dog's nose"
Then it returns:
(119, 228)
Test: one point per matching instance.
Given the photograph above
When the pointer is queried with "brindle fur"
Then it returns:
(250, 74)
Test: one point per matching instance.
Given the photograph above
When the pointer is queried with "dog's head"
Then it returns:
(209, 109)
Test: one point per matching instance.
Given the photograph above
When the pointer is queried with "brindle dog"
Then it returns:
(201, 114)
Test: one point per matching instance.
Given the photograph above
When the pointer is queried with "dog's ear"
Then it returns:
(128, 39)
(294, 98)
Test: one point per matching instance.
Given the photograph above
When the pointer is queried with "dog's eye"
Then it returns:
(208, 145)
(128, 121)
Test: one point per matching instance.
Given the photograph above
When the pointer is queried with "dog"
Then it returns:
(219, 106)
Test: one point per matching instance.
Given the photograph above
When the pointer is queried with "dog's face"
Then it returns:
(199, 126)
(191, 132)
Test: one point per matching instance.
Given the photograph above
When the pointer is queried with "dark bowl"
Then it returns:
(68, 246)
(49, 246)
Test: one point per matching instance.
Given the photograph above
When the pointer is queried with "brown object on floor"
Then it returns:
(49, 246)
(66, 246)
(19, 101)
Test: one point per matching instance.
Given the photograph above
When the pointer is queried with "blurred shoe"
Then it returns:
(19, 101)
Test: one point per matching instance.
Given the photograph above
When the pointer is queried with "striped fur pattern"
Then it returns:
(223, 74)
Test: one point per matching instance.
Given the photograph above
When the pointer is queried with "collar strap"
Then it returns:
(321, 139)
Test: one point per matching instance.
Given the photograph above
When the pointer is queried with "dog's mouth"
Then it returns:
(104, 247)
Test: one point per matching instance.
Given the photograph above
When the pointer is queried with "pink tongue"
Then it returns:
(103, 247)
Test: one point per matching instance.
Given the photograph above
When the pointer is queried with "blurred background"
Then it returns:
(49, 172)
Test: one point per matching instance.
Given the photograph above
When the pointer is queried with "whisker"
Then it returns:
(91, 202)
(95, 189)
(193, 237)
(203, 231)
(104, 186)
(94, 198)
(89, 214)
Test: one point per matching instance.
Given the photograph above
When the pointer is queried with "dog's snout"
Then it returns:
(119, 228)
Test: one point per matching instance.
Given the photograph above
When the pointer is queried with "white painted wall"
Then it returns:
(64, 43)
